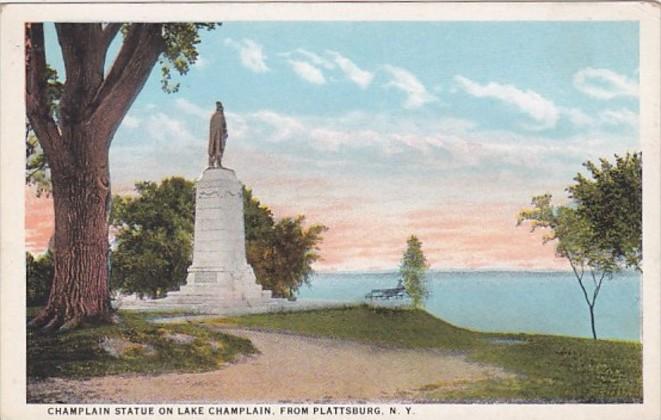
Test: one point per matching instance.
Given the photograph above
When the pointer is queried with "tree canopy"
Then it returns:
(599, 232)
(611, 201)
(282, 256)
(153, 233)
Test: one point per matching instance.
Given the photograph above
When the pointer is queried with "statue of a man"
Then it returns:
(217, 137)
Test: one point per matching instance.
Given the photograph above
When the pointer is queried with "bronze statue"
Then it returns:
(217, 137)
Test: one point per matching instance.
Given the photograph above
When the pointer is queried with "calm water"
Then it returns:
(550, 303)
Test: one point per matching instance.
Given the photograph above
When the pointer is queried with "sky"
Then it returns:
(381, 130)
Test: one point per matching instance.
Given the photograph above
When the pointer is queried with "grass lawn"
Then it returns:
(144, 348)
(548, 368)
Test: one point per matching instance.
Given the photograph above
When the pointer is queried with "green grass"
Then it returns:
(387, 327)
(546, 368)
(78, 353)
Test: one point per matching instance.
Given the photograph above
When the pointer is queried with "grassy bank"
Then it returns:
(132, 345)
(547, 368)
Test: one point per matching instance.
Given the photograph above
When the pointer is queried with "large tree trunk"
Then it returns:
(81, 193)
(76, 146)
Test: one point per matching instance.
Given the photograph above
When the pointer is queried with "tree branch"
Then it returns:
(38, 109)
(109, 33)
(139, 53)
(83, 53)
(571, 264)
(594, 278)
(598, 287)
(580, 280)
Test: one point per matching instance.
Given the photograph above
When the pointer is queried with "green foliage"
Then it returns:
(78, 353)
(181, 40)
(612, 204)
(413, 269)
(576, 239)
(180, 53)
(281, 253)
(600, 233)
(39, 274)
(153, 232)
(154, 239)
(258, 218)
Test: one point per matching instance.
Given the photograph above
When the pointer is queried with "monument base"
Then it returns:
(214, 292)
(220, 279)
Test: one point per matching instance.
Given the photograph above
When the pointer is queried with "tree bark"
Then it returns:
(77, 146)
(81, 192)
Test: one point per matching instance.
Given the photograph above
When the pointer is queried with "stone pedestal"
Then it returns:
(219, 279)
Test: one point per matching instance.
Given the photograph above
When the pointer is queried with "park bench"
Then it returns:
(398, 292)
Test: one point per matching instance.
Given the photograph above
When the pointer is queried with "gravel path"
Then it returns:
(289, 368)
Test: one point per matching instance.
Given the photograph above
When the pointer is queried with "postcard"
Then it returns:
(307, 210)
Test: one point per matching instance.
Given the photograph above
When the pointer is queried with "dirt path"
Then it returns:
(289, 368)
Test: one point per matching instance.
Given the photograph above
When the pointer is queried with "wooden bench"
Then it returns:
(398, 292)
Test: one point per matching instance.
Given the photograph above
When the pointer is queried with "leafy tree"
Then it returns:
(596, 245)
(39, 272)
(282, 257)
(76, 141)
(258, 218)
(612, 202)
(154, 232)
(413, 269)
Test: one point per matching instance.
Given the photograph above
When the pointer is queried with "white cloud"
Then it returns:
(251, 54)
(165, 129)
(607, 117)
(307, 72)
(313, 58)
(354, 73)
(621, 116)
(529, 102)
(190, 108)
(604, 83)
(281, 127)
(372, 140)
(130, 121)
(416, 93)
(577, 117)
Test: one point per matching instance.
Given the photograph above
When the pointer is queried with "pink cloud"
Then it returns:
(368, 235)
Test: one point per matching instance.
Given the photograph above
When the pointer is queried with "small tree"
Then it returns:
(280, 252)
(600, 234)
(413, 271)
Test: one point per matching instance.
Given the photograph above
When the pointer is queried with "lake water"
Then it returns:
(531, 302)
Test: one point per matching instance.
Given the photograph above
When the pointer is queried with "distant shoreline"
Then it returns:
(459, 270)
